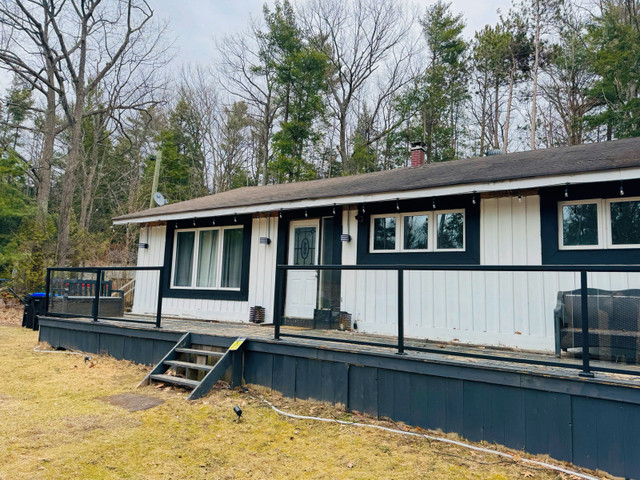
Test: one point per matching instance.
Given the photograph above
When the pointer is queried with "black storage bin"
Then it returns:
(34, 306)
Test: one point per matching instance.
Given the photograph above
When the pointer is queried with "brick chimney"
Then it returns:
(417, 154)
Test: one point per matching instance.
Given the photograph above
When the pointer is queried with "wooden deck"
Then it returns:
(535, 363)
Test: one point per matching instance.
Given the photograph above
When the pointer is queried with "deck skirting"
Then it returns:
(591, 423)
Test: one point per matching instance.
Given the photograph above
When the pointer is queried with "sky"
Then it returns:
(195, 23)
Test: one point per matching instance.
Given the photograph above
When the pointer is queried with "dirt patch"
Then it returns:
(11, 316)
(132, 401)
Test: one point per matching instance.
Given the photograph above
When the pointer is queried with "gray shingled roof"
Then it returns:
(513, 166)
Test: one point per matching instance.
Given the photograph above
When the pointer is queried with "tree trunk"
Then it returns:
(505, 141)
(534, 94)
(483, 121)
(88, 188)
(346, 167)
(44, 187)
(496, 118)
(69, 183)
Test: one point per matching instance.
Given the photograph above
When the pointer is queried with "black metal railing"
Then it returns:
(86, 288)
(583, 333)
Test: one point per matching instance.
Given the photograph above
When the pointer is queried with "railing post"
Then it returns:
(586, 370)
(159, 307)
(96, 298)
(400, 311)
(277, 303)
(47, 290)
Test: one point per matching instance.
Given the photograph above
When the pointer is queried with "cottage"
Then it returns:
(563, 206)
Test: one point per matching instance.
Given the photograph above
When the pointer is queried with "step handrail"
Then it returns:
(219, 369)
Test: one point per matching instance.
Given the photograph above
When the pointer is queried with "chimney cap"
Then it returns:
(418, 146)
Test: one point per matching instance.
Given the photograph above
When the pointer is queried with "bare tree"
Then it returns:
(21, 55)
(84, 43)
(247, 75)
(368, 43)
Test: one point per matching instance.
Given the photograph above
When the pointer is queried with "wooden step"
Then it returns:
(193, 351)
(183, 382)
(192, 366)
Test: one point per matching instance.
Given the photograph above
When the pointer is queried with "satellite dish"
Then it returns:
(159, 199)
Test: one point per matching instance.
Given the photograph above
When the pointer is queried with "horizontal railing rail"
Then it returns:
(95, 303)
(585, 367)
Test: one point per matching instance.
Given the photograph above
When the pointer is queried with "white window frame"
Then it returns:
(372, 233)
(609, 229)
(432, 216)
(599, 217)
(435, 231)
(196, 255)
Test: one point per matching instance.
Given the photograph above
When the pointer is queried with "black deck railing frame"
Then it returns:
(586, 369)
(99, 273)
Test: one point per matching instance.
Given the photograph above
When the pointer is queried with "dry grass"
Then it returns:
(54, 425)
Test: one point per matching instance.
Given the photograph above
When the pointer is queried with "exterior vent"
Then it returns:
(493, 152)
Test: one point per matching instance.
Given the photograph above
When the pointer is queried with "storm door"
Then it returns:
(302, 285)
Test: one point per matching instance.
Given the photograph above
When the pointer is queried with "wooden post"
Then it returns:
(277, 303)
(47, 291)
(156, 178)
(160, 297)
(586, 369)
(96, 298)
(401, 311)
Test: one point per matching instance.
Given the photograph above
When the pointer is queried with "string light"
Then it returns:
(363, 209)
(397, 205)
(566, 191)
(235, 218)
(473, 199)
(213, 221)
(519, 196)
(280, 214)
(433, 203)
(194, 222)
(334, 209)
(306, 214)
(621, 189)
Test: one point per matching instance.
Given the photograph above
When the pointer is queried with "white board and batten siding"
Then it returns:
(261, 280)
(469, 307)
(509, 309)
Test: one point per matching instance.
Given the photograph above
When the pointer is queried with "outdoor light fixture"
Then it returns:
(566, 191)
(238, 411)
(345, 237)
(473, 198)
(143, 245)
(265, 240)
(621, 189)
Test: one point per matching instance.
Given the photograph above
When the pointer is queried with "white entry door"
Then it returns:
(302, 285)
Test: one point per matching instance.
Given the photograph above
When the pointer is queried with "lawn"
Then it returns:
(55, 423)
